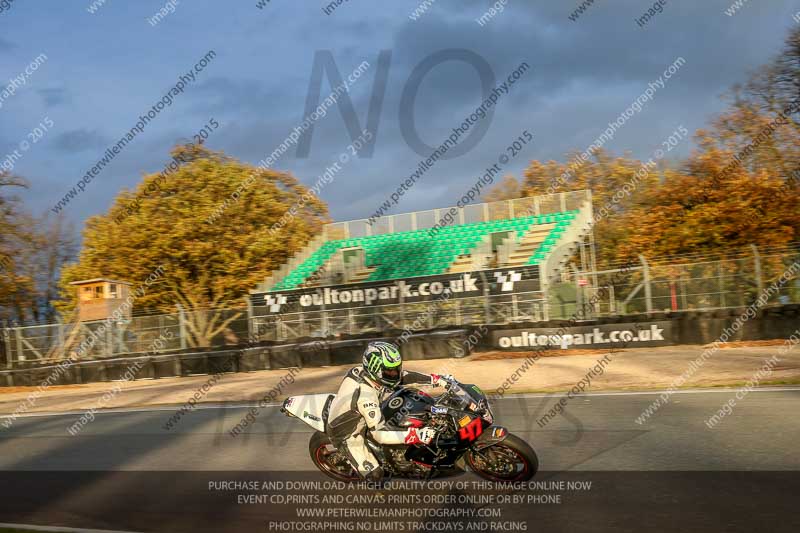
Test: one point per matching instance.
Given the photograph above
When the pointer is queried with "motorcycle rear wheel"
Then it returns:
(511, 459)
(330, 461)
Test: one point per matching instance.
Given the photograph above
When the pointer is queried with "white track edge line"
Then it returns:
(200, 407)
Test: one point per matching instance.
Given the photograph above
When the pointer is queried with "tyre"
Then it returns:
(331, 461)
(511, 459)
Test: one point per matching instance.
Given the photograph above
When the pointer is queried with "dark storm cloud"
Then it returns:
(53, 97)
(6, 46)
(582, 75)
(79, 140)
(243, 97)
(606, 48)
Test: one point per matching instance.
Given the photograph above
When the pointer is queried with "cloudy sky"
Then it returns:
(105, 69)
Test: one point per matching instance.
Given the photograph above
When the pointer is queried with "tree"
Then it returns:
(692, 213)
(664, 210)
(740, 186)
(777, 84)
(508, 189)
(55, 245)
(603, 173)
(756, 127)
(206, 225)
(17, 292)
(617, 184)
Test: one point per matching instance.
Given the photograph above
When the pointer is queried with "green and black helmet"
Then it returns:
(383, 363)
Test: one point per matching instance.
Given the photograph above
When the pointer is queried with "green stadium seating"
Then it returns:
(418, 253)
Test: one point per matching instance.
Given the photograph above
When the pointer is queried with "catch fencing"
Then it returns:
(641, 286)
(694, 284)
(23, 346)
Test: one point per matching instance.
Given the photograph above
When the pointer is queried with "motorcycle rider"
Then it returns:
(356, 408)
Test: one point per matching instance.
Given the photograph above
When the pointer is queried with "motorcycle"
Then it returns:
(466, 436)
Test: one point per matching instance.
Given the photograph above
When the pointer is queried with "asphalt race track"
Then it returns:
(58, 479)
(597, 432)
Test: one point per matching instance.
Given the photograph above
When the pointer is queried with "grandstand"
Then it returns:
(540, 231)
(488, 263)
(423, 253)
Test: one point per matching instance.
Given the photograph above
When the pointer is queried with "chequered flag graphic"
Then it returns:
(507, 279)
(274, 303)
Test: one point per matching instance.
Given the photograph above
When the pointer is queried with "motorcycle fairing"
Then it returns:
(310, 408)
(490, 436)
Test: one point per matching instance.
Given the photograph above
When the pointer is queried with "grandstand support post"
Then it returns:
(545, 312)
(592, 258)
(278, 328)
(514, 307)
(648, 292)
(757, 266)
(402, 302)
(720, 284)
(181, 326)
(544, 288)
(301, 323)
(324, 324)
(578, 292)
(487, 306)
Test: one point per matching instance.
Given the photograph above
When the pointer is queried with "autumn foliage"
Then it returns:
(207, 224)
(738, 187)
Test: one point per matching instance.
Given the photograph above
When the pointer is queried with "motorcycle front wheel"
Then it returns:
(331, 461)
(511, 459)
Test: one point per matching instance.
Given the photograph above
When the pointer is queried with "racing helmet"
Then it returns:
(383, 363)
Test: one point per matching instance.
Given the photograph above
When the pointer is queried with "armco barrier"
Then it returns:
(688, 327)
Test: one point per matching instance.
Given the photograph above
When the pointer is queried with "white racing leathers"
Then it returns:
(356, 410)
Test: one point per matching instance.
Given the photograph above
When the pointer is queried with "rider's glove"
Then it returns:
(420, 436)
(443, 380)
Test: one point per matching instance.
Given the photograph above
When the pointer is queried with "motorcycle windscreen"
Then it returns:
(308, 408)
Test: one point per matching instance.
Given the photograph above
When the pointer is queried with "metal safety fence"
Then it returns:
(646, 286)
(641, 286)
(27, 345)
(418, 316)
